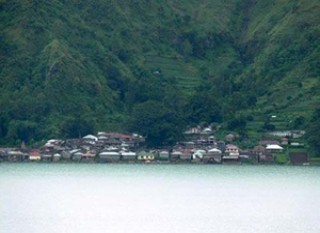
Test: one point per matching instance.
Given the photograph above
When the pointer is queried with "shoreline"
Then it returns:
(163, 163)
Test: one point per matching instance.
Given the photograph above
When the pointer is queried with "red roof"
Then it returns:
(35, 153)
(117, 135)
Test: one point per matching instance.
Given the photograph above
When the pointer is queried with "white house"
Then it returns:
(231, 152)
(274, 148)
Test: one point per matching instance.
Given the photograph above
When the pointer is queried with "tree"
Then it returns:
(312, 134)
(4, 122)
(159, 124)
(238, 123)
(203, 107)
(20, 130)
(298, 122)
(76, 127)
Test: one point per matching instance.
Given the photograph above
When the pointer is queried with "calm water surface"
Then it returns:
(82, 198)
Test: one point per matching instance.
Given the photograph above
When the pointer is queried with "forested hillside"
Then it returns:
(72, 67)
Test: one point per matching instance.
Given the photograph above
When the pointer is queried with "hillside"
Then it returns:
(72, 67)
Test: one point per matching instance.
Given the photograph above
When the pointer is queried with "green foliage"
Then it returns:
(280, 158)
(76, 128)
(203, 107)
(238, 123)
(312, 135)
(269, 126)
(4, 125)
(298, 122)
(22, 131)
(202, 61)
(159, 124)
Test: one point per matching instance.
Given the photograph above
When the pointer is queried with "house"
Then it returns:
(34, 155)
(88, 156)
(73, 143)
(207, 130)
(128, 156)
(137, 140)
(4, 153)
(265, 158)
(164, 155)
(55, 141)
(186, 155)
(284, 141)
(102, 138)
(284, 133)
(247, 156)
(188, 145)
(288, 133)
(144, 156)
(211, 140)
(231, 154)
(193, 130)
(230, 137)
(175, 155)
(125, 145)
(296, 144)
(56, 157)
(198, 155)
(118, 138)
(112, 148)
(109, 156)
(53, 144)
(298, 158)
(16, 156)
(273, 148)
(48, 145)
(259, 149)
(70, 154)
(77, 156)
(46, 156)
(90, 138)
(199, 142)
(214, 155)
(256, 151)
(232, 151)
(66, 155)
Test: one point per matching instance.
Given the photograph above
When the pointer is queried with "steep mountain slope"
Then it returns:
(66, 64)
(282, 46)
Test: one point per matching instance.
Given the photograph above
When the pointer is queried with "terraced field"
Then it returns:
(185, 73)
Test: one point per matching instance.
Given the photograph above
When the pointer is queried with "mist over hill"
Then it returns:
(68, 68)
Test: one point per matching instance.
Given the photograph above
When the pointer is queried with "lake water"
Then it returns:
(82, 198)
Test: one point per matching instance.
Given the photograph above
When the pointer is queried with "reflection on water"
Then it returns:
(57, 198)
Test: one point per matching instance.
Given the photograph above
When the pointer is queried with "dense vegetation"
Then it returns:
(68, 68)
(313, 132)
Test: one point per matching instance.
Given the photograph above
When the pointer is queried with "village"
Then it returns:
(201, 148)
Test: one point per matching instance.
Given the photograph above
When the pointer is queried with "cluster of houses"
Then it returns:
(118, 147)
